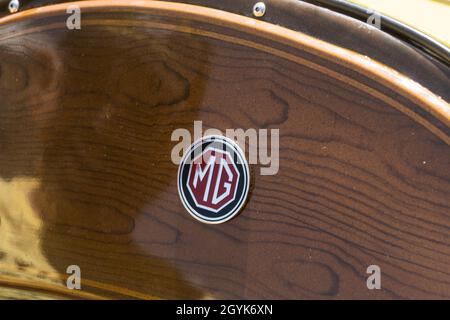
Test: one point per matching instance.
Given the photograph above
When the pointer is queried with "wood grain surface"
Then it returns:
(331, 27)
(86, 176)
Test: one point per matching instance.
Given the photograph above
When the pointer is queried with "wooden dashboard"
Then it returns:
(86, 176)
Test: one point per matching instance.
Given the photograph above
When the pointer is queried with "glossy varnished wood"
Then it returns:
(331, 27)
(86, 176)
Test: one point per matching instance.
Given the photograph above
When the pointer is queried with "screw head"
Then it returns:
(13, 6)
(259, 9)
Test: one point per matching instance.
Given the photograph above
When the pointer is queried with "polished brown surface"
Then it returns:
(331, 27)
(86, 176)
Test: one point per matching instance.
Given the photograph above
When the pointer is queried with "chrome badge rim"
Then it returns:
(213, 179)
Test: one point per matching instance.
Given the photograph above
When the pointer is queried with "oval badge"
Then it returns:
(213, 179)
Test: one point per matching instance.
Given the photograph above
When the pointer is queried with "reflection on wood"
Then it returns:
(85, 123)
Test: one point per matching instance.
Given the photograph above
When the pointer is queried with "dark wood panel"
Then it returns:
(86, 175)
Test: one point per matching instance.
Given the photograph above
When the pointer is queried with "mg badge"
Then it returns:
(213, 179)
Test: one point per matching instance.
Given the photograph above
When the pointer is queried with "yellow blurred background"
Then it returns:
(429, 16)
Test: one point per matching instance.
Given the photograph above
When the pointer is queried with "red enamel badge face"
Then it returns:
(213, 179)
